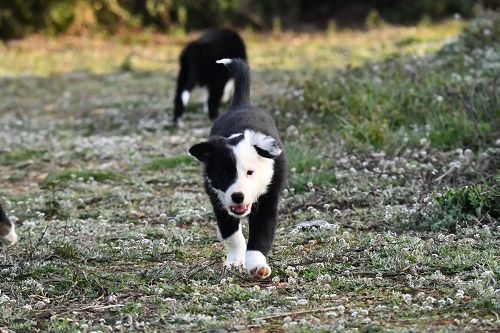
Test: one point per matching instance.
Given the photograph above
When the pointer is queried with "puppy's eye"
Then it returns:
(249, 172)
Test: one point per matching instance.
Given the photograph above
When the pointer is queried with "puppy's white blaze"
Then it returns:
(224, 61)
(236, 248)
(185, 97)
(11, 237)
(264, 142)
(255, 260)
(252, 186)
(228, 90)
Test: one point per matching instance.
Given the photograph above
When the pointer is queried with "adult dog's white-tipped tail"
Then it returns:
(224, 61)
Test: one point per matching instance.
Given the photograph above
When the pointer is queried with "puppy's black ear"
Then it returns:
(201, 151)
(266, 145)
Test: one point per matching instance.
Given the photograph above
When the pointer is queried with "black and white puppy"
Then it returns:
(198, 68)
(245, 171)
(7, 230)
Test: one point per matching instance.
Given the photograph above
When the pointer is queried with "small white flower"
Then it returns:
(27, 307)
(429, 300)
(407, 298)
(302, 301)
(487, 274)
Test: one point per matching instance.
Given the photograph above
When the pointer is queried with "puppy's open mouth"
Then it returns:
(239, 209)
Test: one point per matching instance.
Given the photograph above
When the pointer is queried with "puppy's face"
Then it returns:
(239, 169)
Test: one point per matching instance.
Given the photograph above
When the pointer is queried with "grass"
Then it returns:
(163, 163)
(20, 155)
(38, 55)
(391, 136)
(449, 98)
(64, 176)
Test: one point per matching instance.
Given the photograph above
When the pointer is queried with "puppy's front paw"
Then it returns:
(256, 264)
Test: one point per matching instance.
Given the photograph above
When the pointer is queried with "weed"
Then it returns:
(20, 155)
(65, 176)
(163, 163)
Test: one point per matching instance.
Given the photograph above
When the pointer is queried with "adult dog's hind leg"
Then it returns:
(215, 95)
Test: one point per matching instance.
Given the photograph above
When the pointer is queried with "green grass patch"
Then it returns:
(65, 176)
(449, 98)
(164, 163)
(308, 166)
(67, 251)
(472, 204)
(20, 155)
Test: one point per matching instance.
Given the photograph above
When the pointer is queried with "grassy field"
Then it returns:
(393, 141)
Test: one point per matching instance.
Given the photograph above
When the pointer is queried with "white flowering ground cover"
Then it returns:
(394, 165)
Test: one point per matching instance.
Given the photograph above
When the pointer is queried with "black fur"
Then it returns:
(5, 224)
(198, 67)
(220, 170)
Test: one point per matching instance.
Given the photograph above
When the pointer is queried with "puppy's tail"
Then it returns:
(241, 73)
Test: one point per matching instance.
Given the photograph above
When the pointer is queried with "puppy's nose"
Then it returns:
(237, 197)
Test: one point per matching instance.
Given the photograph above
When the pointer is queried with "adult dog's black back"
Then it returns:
(198, 68)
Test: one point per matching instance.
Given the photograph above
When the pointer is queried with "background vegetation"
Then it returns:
(21, 17)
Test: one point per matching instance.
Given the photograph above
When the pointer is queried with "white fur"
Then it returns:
(11, 237)
(252, 186)
(185, 97)
(224, 61)
(228, 90)
(235, 135)
(264, 142)
(205, 95)
(256, 260)
(236, 247)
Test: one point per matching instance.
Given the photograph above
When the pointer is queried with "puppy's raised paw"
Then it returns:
(256, 264)
(261, 272)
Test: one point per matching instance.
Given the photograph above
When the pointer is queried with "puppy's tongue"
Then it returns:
(239, 208)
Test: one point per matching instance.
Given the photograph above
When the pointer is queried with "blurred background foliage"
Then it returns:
(19, 18)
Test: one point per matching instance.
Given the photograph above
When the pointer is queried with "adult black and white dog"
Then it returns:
(7, 230)
(245, 171)
(198, 68)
